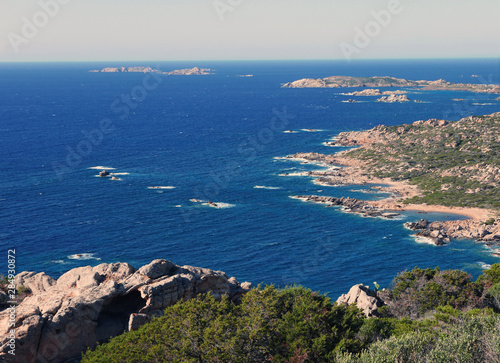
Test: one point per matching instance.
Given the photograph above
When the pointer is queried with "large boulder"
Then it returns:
(89, 305)
(364, 298)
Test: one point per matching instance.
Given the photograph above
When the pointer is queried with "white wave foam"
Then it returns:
(264, 187)
(100, 167)
(162, 187)
(312, 130)
(290, 132)
(83, 256)
(484, 265)
(426, 240)
(119, 174)
(219, 205)
(61, 262)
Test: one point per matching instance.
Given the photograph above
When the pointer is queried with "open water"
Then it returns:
(213, 138)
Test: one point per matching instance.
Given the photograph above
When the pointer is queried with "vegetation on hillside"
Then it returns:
(430, 316)
(454, 164)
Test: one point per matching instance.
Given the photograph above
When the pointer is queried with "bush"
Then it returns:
(491, 276)
(419, 291)
(472, 340)
(289, 325)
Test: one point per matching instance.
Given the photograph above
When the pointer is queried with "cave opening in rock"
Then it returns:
(114, 316)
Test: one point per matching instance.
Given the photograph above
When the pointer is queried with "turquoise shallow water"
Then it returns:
(212, 138)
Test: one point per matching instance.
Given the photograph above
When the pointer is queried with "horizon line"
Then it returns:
(255, 60)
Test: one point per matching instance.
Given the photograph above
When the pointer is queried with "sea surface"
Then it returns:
(210, 138)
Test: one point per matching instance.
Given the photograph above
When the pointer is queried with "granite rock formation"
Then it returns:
(88, 305)
(364, 298)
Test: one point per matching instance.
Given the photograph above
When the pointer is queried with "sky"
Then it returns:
(164, 30)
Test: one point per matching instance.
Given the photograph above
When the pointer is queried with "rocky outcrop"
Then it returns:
(349, 205)
(394, 98)
(374, 92)
(432, 232)
(88, 305)
(364, 298)
(442, 232)
(469, 229)
(190, 72)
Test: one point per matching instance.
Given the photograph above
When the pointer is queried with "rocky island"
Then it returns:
(432, 165)
(178, 72)
(386, 81)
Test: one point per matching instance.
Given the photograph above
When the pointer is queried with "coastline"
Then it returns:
(342, 169)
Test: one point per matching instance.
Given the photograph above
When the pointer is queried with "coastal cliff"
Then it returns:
(61, 318)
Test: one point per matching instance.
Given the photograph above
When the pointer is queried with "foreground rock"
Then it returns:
(88, 305)
(364, 298)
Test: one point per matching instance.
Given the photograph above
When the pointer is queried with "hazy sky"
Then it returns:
(162, 30)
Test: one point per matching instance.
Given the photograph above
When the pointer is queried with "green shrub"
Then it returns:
(293, 324)
(419, 291)
(490, 276)
(472, 340)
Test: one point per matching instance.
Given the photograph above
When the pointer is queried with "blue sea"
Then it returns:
(211, 138)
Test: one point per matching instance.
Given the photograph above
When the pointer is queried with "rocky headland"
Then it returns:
(61, 318)
(430, 166)
(386, 81)
(349, 205)
(178, 72)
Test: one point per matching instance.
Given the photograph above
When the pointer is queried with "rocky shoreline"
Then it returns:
(349, 205)
(59, 319)
(340, 170)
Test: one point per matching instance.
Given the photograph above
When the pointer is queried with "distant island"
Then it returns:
(348, 81)
(433, 165)
(178, 72)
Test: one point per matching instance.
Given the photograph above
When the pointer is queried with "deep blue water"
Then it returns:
(212, 138)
